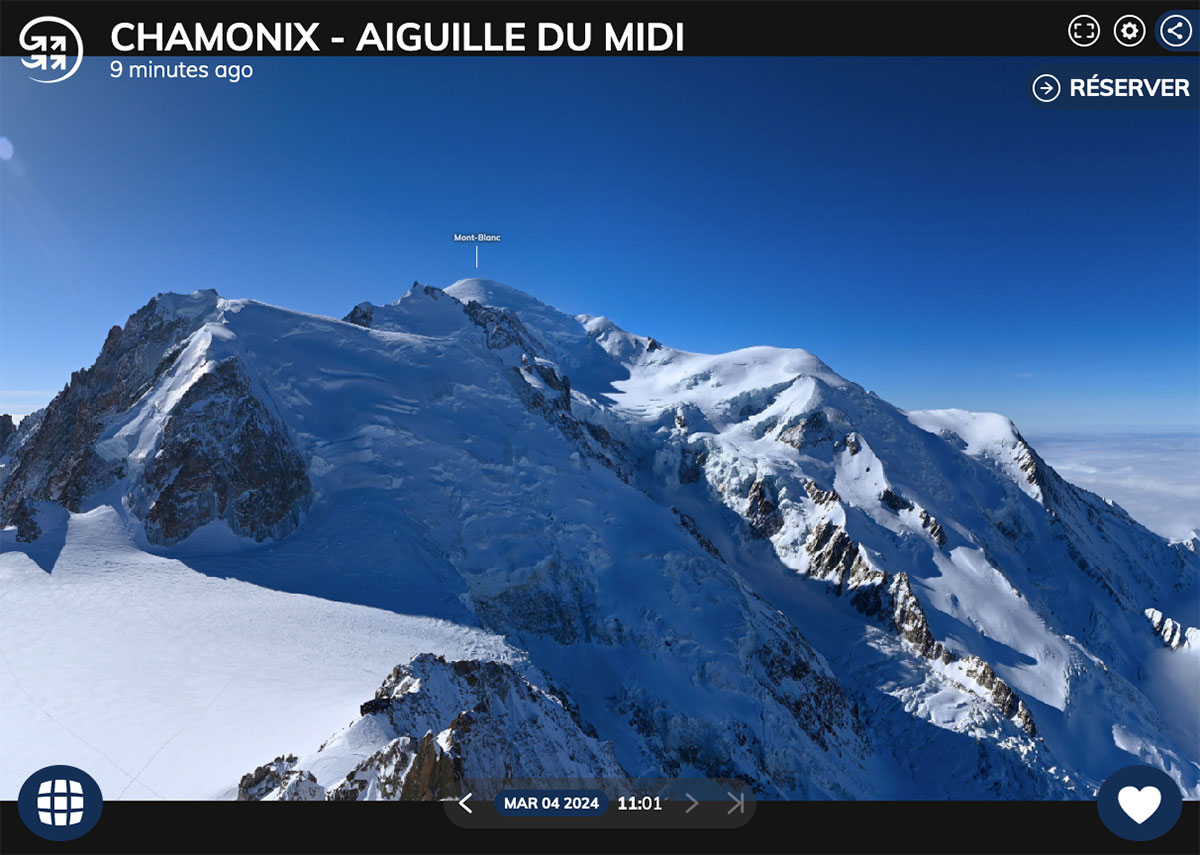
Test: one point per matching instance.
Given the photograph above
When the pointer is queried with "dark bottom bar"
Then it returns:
(129, 828)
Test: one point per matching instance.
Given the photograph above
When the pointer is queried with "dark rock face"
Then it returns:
(821, 497)
(435, 774)
(502, 327)
(1032, 466)
(362, 315)
(7, 429)
(896, 502)
(689, 525)
(387, 766)
(58, 461)
(477, 717)
(223, 456)
(834, 557)
(265, 778)
(25, 519)
(762, 512)
(807, 431)
(908, 618)
(691, 465)
(372, 706)
(934, 528)
(593, 441)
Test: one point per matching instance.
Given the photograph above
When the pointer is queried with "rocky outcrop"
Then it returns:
(762, 512)
(7, 429)
(934, 528)
(806, 431)
(223, 456)
(58, 461)
(908, 619)
(380, 776)
(896, 502)
(265, 779)
(689, 525)
(542, 389)
(1032, 467)
(24, 517)
(1171, 632)
(446, 722)
(502, 327)
(821, 497)
(835, 557)
(361, 315)
(436, 772)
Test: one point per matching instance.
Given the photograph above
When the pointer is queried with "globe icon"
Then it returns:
(60, 802)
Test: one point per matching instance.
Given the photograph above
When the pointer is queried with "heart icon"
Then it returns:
(1139, 805)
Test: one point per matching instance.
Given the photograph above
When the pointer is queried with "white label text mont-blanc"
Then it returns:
(478, 237)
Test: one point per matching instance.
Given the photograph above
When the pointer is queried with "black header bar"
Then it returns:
(588, 28)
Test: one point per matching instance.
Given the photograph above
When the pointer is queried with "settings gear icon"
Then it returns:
(1129, 30)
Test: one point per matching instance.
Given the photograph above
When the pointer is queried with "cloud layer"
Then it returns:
(1156, 477)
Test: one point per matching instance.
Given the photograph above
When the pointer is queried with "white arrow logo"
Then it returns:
(462, 803)
(49, 52)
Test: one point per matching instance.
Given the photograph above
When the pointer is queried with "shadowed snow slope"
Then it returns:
(687, 564)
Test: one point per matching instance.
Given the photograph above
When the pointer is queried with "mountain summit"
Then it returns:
(736, 565)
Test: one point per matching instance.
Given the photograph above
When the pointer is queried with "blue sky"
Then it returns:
(916, 223)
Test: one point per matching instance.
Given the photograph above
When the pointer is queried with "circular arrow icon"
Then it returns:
(1046, 88)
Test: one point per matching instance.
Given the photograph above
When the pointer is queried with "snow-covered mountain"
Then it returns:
(738, 565)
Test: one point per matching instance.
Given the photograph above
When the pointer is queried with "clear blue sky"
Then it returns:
(916, 223)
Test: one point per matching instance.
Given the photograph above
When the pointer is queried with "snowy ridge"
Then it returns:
(739, 564)
(434, 724)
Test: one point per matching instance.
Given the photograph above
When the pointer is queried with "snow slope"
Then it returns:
(161, 682)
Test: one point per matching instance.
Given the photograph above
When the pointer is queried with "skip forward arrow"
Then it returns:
(739, 803)
(694, 801)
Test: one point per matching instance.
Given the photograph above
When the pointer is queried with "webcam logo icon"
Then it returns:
(60, 803)
(53, 43)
